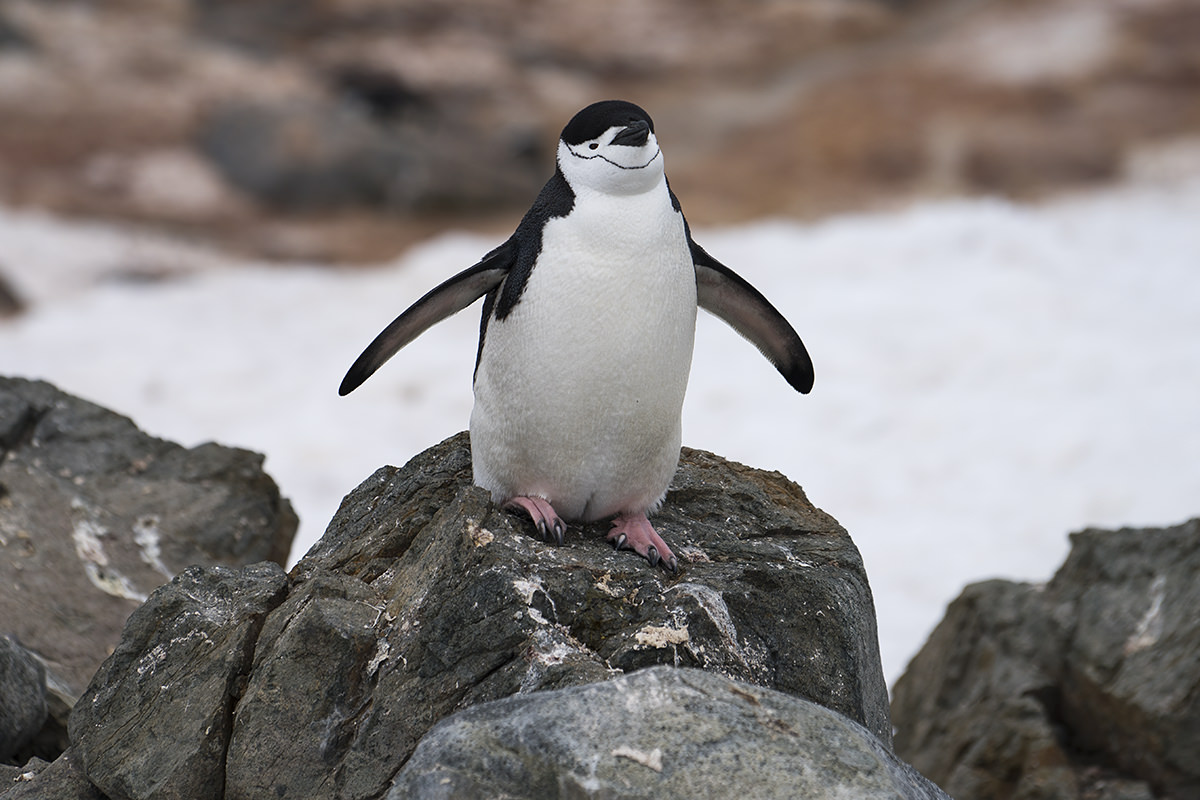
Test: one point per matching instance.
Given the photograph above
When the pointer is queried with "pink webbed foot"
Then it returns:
(634, 532)
(544, 517)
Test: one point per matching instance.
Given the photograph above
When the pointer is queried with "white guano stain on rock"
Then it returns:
(479, 536)
(87, 535)
(1150, 626)
(147, 537)
(527, 589)
(661, 636)
(651, 760)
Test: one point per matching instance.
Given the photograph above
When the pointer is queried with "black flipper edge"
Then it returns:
(450, 297)
(723, 292)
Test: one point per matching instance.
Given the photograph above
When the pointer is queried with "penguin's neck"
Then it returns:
(639, 220)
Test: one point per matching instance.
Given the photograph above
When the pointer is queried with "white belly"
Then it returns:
(580, 388)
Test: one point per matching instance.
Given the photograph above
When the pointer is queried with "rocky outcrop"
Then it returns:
(37, 780)
(1083, 688)
(94, 514)
(424, 599)
(22, 698)
(659, 732)
(156, 719)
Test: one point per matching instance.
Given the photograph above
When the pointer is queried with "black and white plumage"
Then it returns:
(586, 339)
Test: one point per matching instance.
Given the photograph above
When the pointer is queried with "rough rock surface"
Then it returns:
(64, 779)
(174, 680)
(659, 732)
(423, 599)
(22, 697)
(94, 514)
(1083, 688)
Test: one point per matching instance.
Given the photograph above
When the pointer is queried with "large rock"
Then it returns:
(156, 719)
(94, 514)
(1083, 688)
(349, 151)
(423, 599)
(660, 732)
(62, 780)
(22, 697)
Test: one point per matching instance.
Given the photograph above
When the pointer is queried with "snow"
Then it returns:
(990, 376)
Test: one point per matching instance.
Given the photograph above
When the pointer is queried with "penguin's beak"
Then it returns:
(634, 135)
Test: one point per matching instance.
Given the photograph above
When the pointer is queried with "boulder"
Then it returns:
(423, 599)
(358, 149)
(1082, 688)
(22, 697)
(94, 514)
(660, 732)
(64, 779)
(11, 303)
(156, 719)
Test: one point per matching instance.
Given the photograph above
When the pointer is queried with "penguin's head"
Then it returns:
(610, 147)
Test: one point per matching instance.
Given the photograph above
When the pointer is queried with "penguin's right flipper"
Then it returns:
(447, 299)
(723, 292)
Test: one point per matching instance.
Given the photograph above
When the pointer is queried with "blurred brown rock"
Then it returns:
(366, 121)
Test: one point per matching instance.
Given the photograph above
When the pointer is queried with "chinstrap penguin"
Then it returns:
(585, 344)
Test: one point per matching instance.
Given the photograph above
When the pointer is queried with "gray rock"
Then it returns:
(62, 780)
(11, 303)
(1131, 661)
(660, 732)
(302, 155)
(360, 148)
(94, 514)
(422, 598)
(12, 38)
(22, 697)
(155, 720)
(1083, 688)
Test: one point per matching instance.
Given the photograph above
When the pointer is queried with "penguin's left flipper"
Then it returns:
(450, 297)
(721, 291)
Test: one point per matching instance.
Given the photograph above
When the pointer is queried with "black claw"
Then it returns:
(672, 565)
(559, 530)
(541, 529)
(620, 542)
(652, 556)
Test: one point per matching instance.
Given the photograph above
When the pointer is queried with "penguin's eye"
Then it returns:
(593, 145)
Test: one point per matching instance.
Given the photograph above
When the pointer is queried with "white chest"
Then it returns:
(580, 387)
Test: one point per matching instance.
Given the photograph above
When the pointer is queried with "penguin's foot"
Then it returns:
(634, 532)
(544, 517)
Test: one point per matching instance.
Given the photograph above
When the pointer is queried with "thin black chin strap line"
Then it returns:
(657, 153)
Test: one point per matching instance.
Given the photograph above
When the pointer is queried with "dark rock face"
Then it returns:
(94, 514)
(10, 301)
(174, 681)
(22, 697)
(62, 780)
(659, 732)
(423, 599)
(1084, 688)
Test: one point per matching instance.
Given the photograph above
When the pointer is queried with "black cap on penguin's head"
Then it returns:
(599, 117)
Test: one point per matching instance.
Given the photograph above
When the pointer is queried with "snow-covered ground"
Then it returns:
(989, 376)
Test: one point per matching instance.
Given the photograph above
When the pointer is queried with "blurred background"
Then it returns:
(983, 217)
(341, 129)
